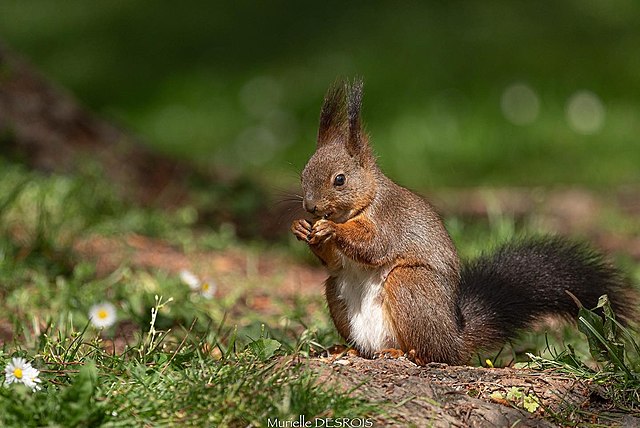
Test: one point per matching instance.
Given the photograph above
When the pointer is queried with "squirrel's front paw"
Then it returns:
(321, 231)
(301, 229)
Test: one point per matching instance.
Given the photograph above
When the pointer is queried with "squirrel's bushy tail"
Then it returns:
(528, 280)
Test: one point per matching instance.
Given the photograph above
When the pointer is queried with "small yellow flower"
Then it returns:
(102, 315)
(19, 370)
(208, 289)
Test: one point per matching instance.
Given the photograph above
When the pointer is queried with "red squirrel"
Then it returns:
(395, 279)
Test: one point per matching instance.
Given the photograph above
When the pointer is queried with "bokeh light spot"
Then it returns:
(520, 104)
(585, 112)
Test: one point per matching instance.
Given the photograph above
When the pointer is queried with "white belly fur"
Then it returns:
(360, 288)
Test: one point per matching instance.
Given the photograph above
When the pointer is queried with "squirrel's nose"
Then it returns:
(309, 205)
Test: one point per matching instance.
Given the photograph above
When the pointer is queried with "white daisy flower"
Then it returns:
(102, 315)
(190, 279)
(19, 370)
(208, 289)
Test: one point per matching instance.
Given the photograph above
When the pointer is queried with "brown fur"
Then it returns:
(410, 294)
(365, 219)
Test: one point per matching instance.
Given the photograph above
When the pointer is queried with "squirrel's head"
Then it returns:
(339, 180)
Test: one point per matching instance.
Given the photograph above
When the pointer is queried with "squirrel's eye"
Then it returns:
(339, 180)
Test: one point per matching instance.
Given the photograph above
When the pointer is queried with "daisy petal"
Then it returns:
(103, 315)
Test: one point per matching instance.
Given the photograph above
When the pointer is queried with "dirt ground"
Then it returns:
(442, 396)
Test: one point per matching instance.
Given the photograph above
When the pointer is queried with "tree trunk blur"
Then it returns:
(44, 127)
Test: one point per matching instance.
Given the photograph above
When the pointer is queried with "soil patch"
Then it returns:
(444, 396)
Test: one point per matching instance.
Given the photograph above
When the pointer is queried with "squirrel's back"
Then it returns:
(399, 212)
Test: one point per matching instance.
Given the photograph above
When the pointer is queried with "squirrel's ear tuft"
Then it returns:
(333, 114)
(356, 142)
(340, 118)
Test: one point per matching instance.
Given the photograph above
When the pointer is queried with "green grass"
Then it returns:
(183, 359)
(171, 382)
(615, 367)
(187, 360)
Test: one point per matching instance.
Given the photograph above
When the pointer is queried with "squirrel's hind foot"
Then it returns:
(342, 350)
(390, 353)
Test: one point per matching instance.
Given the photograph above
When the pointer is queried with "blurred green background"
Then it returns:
(457, 93)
